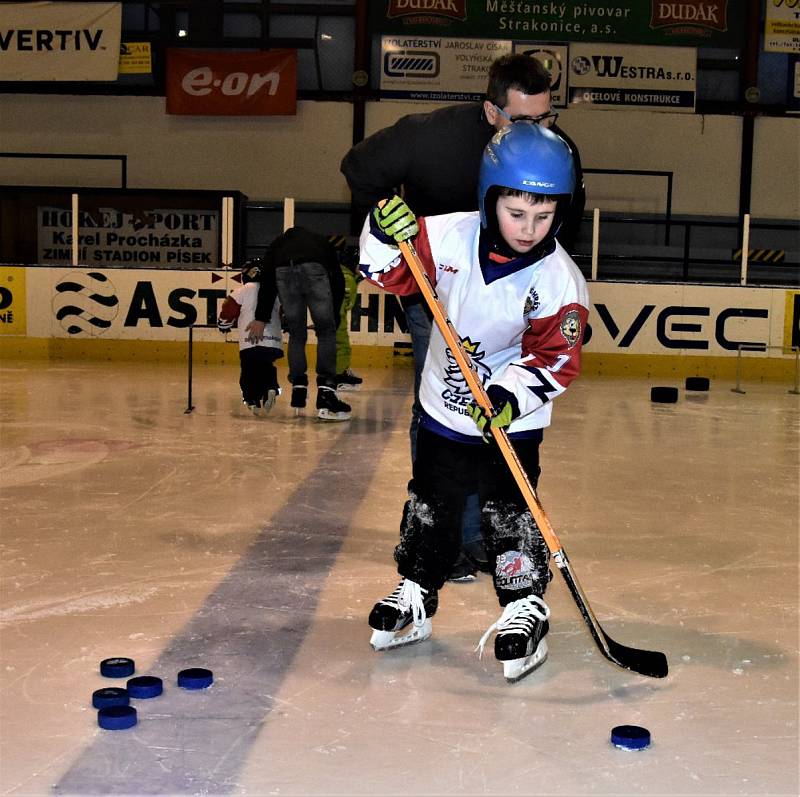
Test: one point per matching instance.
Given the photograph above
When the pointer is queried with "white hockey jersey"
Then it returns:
(246, 296)
(522, 322)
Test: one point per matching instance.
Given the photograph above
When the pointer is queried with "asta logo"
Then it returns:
(450, 9)
(690, 14)
(85, 302)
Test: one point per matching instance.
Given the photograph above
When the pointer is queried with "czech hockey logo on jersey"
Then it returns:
(571, 327)
(531, 303)
(514, 570)
(457, 396)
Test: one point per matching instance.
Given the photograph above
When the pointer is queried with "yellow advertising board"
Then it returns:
(135, 58)
(12, 301)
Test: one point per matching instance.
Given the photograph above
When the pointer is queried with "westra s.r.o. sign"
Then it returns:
(203, 82)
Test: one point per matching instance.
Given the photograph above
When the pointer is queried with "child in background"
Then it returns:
(520, 304)
(258, 377)
(348, 260)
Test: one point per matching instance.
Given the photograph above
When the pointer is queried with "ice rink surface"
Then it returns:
(256, 548)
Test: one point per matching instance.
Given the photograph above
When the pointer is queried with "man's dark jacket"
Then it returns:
(298, 245)
(436, 158)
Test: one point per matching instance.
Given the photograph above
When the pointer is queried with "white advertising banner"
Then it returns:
(110, 237)
(437, 68)
(442, 69)
(633, 76)
(782, 26)
(122, 304)
(153, 304)
(59, 41)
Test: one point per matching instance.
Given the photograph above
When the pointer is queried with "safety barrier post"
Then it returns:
(595, 240)
(189, 405)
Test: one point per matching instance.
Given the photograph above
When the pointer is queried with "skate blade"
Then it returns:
(346, 388)
(298, 411)
(386, 640)
(516, 669)
(327, 415)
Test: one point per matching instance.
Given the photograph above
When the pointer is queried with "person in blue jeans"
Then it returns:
(433, 158)
(303, 270)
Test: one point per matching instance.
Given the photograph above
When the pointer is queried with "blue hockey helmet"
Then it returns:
(526, 157)
(252, 270)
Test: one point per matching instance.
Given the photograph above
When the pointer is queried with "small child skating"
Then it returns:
(521, 305)
(258, 377)
(348, 260)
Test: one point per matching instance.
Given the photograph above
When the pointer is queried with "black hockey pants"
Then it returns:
(258, 374)
(445, 473)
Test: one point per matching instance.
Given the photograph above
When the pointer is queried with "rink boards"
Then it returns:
(637, 328)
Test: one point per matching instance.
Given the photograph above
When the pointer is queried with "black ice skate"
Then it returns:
(347, 380)
(330, 407)
(299, 397)
(408, 603)
(520, 643)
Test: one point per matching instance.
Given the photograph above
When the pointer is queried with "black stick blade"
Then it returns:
(645, 662)
(651, 663)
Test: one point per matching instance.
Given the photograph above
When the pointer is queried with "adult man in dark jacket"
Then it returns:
(434, 157)
(433, 160)
(308, 279)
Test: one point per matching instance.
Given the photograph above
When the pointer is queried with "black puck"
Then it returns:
(110, 696)
(697, 383)
(630, 737)
(195, 678)
(664, 395)
(118, 667)
(145, 686)
(116, 718)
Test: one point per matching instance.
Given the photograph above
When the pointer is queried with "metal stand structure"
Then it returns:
(745, 347)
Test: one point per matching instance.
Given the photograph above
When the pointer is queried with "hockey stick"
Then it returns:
(645, 662)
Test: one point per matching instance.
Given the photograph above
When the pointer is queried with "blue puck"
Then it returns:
(118, 667)
(116, 718)
(630, 737)
(110, 696)
(145, 686)
(195, 678)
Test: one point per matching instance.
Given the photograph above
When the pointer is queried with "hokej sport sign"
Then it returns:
(162, 237)
(59, 41)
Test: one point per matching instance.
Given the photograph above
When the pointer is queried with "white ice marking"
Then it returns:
(39, 609)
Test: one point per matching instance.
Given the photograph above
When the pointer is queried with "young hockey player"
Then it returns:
(520, 305)
(258, 377)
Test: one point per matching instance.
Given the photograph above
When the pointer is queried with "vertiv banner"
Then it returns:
(716, 23)
(59, 41)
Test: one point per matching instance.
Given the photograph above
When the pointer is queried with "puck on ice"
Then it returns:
(664, 395)
(110, 696)
(630, 737)
(698, 383)
(145, 686)
(116, 718)
(118, 667)
(195, 678)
